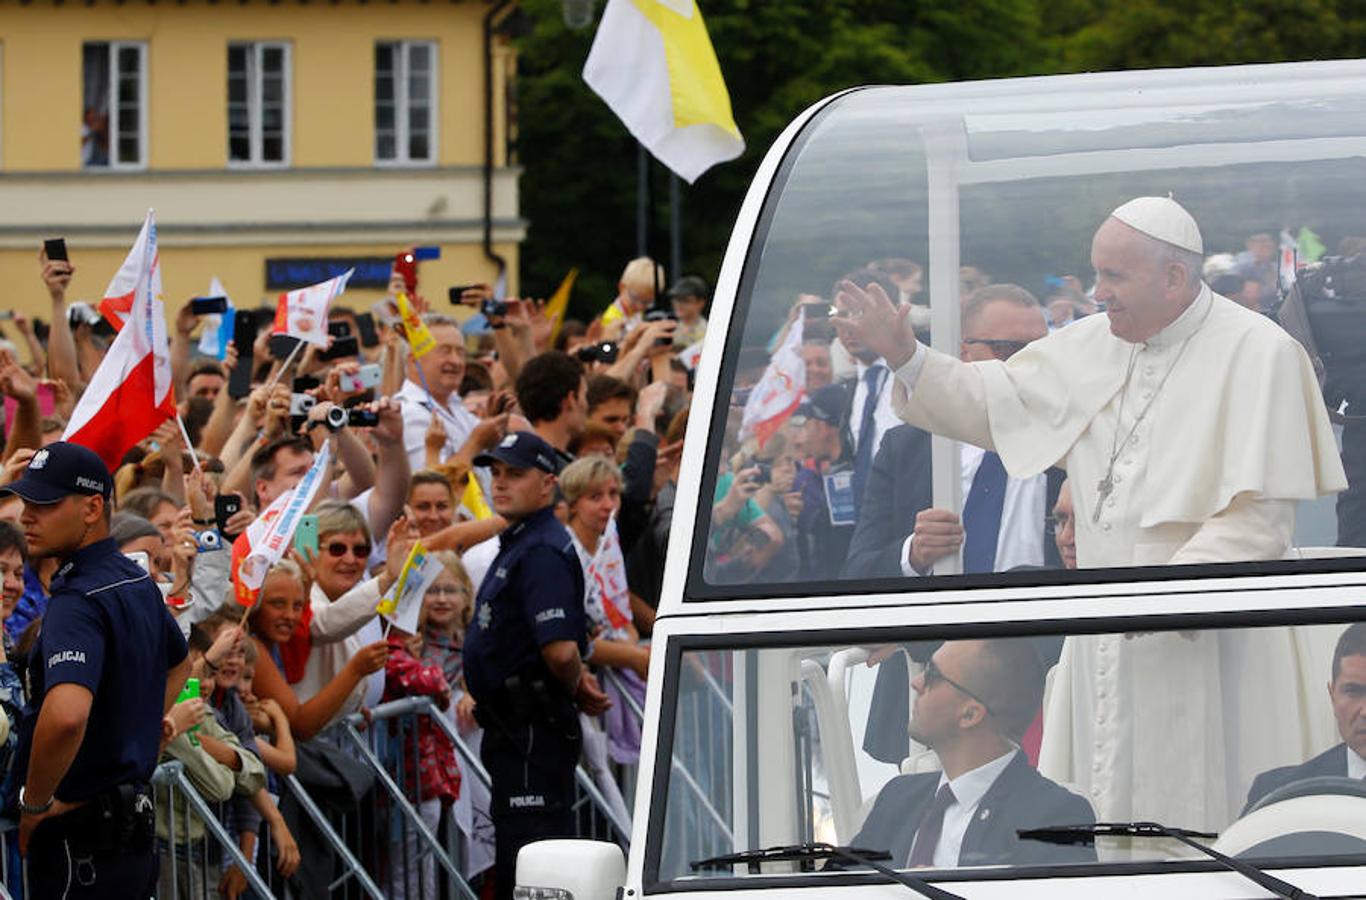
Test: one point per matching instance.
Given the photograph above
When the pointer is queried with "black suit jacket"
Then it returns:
(1020, 798)
(899, 487)
(1328, 763)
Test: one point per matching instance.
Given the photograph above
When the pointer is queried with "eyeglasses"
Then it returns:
(338, 549)
(453, 590)
(933, 674)
(1002, 350)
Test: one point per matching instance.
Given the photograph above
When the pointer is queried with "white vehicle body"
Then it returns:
(973, 150)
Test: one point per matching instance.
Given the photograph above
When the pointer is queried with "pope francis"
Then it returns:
(1189, 427)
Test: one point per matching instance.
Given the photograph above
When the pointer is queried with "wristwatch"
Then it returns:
(27, 810)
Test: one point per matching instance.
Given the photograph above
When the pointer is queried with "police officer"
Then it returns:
(523, 656)
(109, 662)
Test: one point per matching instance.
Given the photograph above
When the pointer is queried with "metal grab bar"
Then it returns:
(171, 775)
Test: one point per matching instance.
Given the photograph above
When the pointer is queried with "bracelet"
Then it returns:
(204, 523)
(27, 810)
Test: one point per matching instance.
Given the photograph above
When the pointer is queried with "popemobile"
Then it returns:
(1100, 629)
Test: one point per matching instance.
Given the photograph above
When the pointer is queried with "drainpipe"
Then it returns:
(489, 19)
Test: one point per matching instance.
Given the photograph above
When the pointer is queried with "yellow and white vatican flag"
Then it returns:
(653, 63)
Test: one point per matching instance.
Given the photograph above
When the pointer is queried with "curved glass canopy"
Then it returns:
(976, 206)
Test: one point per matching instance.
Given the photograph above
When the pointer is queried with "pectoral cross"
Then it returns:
(1104, 488)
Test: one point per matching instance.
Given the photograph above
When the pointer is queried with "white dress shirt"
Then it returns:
(417, 418)
(968, 791)
(1020, 540)
(1356, 764)
(884, 417)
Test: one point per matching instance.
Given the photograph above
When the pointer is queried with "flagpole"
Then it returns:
(189, 445)
(289, 359)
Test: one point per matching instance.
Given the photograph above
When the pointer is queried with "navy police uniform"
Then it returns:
(108, 630)
(532, 595)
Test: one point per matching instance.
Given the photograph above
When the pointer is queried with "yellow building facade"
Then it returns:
(270, 137)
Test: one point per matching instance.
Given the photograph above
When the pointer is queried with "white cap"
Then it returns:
(1164, 219)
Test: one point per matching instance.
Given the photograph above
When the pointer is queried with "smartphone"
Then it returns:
(306, 537)
(362, 418)
(493, 309)
(55, 248)
(142, 559)
(369, 337)
(225, 506)
(208, 306)
(661, 315)
(342, 348)
(339, 328)
(304, 383)
(817, 311)
(456, 293)
(282, 345)
(368, 377)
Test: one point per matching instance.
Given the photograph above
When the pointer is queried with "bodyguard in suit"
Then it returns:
(973, 703)
(1347, 692)
(1004, 519)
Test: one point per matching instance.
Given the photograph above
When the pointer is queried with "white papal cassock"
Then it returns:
(1165, 727)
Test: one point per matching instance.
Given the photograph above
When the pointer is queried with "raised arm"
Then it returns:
(61, 346)
(306, 719)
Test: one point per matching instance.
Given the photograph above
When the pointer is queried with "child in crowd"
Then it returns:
(435, 780)
(217, 766)
(245, 814)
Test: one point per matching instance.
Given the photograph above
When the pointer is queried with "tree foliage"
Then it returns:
(579, 186)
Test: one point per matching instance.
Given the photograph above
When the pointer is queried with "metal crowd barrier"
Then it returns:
(378, 865)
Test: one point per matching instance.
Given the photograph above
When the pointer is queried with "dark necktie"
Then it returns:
(867, 430)
(982, 515)
(931, 827)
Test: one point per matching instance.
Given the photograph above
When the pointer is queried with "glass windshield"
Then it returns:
(936, 752)
(1165, 385)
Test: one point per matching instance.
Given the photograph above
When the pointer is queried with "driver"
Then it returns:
(1347, 692)
(973, 703)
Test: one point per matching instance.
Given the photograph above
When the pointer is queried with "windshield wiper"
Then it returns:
(1081, 834)
(819, 850)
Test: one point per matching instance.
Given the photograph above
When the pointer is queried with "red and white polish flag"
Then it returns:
(302, 313)
(131, 392)
(117, 305)
(779, 391)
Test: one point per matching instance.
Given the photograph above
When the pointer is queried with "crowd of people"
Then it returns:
(536, 462)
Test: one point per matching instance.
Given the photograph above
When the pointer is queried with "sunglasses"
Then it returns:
(933, 674)
(1002, 350)
(338, 549)
(453, 590)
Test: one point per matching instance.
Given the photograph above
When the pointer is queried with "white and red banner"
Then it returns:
(117, 305)
(779, 392)
(302, 313)
(131, 391)
(267, 539)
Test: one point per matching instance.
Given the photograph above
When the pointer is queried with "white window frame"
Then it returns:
(401, 132)
(255, 102)
(114, 164)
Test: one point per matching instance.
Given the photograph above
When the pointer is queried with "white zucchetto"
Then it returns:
(1164, 219)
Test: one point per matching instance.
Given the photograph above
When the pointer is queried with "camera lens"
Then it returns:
(336, 418)
(209, 540)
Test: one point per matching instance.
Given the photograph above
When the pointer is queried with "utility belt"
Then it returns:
(121, 819)
(529, 698)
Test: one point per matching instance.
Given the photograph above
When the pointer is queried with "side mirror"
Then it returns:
(569, 870)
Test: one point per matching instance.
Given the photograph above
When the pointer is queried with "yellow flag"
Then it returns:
(653, 63)
(559, 303)
(419, 336)
(389, 602)
(474, 500)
